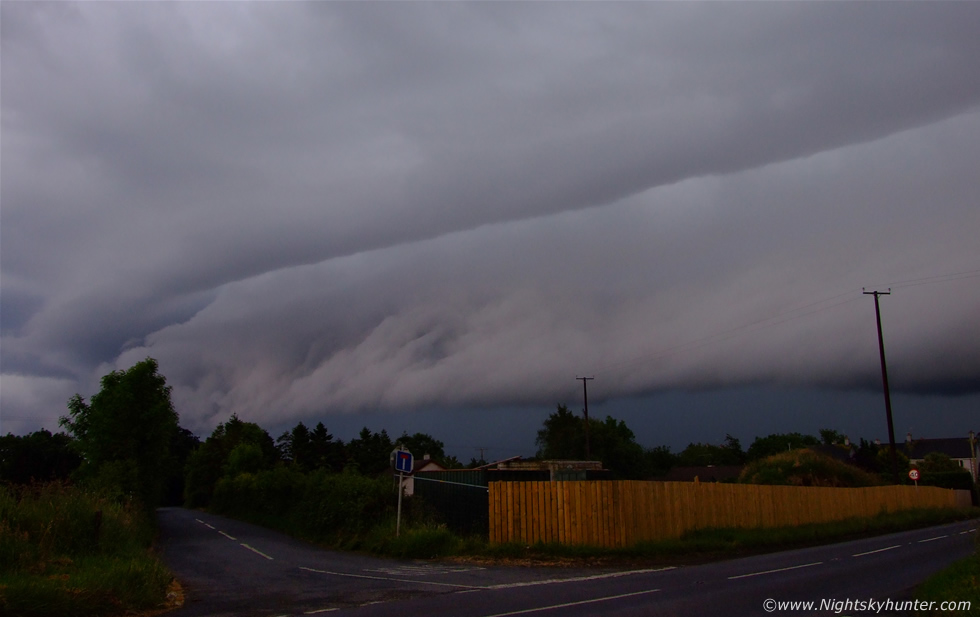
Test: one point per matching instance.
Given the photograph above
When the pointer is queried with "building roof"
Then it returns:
(426, 464)
(953, 447)
(704, 473)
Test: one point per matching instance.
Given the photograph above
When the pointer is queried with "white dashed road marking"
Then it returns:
(594, 577)
(806, 565)
(931, 539)
(227, 536)
(387, 578)
(880, 550)
(581, 602)
(255, 550)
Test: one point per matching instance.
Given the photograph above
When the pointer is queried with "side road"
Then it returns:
(228, 567)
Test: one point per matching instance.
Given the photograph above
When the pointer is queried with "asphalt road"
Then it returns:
(232, 568)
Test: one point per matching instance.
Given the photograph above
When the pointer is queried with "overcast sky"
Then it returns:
(436, 216)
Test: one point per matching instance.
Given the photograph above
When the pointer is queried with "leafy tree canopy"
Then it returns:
(124, 433)
(779, 442)
(421, 444)
(937, 462)
(310, 450)
(214, 458)
(611, 441)
(369, 453)
(39, 456)
(703, 454)
(831, 437)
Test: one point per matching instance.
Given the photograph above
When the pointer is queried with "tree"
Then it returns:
(612, 442)
(124, 433)
(369, 453)
(562, 437)
(213, 460)
(831, 437)
(421, 444)
(183, 444)
(325, 453)
(937, 462)
(779, 442)
(704, 454)
(660, 460)
(39, 456)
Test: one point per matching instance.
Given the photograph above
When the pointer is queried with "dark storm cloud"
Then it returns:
(298, 207)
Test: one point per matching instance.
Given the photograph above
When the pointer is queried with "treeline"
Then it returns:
(236, 447)
(127, 438)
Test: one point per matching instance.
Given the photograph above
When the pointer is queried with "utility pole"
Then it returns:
(884, 382)
(585, 393)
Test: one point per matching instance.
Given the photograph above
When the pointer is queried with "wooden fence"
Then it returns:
(622, 513)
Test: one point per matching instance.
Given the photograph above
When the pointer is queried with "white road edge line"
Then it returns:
(806, 565)
(579, 603)
(321, 610)
(227, 536)
(594, 577)
(931, 539)
(551, 581)
(255, 550)
(880, 550)
(387, 578)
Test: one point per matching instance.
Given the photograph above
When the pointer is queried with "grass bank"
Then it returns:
(67, 551)
(708, 544)
(958, 583)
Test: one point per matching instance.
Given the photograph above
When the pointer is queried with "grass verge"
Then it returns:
(958, 583)
(67, 551)
(709, 544)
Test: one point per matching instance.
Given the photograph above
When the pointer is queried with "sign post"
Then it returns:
(914, 476)
(402, 461)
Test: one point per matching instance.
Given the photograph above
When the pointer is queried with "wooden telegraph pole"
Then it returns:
(585, 393)
(884, 383)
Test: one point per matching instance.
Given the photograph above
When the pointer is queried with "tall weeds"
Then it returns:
(67, 551)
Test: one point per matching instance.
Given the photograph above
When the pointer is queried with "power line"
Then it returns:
(782, 318)
(942, 278)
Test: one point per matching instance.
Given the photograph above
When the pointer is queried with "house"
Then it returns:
(962, 450)
(426, 463)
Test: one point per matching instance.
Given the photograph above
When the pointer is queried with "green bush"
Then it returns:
(322, 506)
(416, 542)
(960, 479)
(805, 468)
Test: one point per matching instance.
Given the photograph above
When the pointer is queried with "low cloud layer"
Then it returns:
(304, 209)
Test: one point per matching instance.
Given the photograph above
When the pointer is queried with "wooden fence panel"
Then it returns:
(611, 514)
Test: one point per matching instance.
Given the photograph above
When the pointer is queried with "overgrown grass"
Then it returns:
(718, 543)
(67, 551)
(959, 582)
